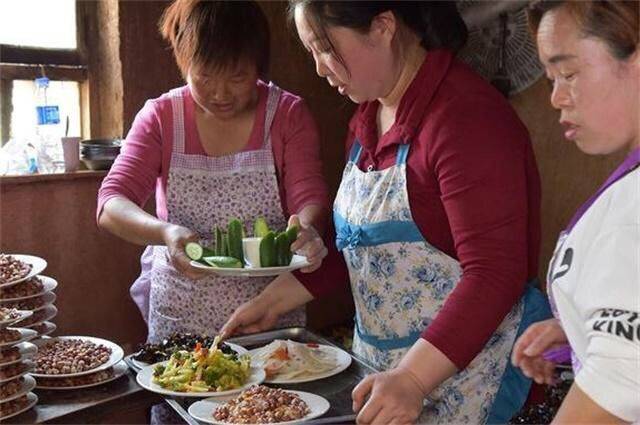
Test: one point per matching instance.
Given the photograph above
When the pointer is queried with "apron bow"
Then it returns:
(348, 237)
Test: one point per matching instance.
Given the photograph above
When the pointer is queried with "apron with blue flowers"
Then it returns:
(400, 282)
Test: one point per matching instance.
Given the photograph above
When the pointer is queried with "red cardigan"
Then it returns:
(474, 192)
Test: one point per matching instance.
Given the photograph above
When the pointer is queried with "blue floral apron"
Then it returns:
(400, 282)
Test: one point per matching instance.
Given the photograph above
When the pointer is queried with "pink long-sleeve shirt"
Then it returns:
(143, 163)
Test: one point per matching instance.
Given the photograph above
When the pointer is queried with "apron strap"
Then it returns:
(177, 108)
(356, 150)
(403, 152)
(272, 107)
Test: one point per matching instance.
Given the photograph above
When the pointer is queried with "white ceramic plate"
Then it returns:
(25, 335)
(297, 262)
(48, 285)
(343, 361)
(37, 266)
(116, 355)
(48, 298)
(27, 352)
(32, 400)
(49, 328)
(30, 366)
(28, 385)
(145, 376)
(118, 370)
(23, 314)
(235, 347)
(203, 410)
(49, 312)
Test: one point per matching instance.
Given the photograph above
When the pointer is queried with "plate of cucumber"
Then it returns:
(267, 253)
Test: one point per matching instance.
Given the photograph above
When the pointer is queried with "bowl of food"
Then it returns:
(99, 154)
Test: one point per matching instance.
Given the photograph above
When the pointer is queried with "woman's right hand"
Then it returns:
(529, 349)
(255, 315)
(176, 238)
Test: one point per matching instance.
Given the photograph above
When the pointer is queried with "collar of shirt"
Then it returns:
(412, 109)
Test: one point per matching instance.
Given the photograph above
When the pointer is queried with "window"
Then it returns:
(42, 38)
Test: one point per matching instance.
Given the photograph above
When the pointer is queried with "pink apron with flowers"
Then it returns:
(202, 192)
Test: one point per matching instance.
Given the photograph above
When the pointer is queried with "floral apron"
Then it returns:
(204, 191)
(400, 282)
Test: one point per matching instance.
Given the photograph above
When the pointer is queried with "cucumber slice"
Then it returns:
(194, 251)
(223, 262)
(260, 228)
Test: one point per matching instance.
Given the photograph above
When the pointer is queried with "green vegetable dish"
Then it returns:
(203, 370)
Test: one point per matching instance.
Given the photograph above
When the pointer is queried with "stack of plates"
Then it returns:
(34, 294)
(16, 352)
(108, 371)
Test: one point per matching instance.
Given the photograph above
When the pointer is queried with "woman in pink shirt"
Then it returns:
(227, 145)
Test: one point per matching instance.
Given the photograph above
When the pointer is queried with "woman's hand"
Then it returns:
(529, 349)
(395, 396)
(176, 238)
(309, 243)
(255, 315)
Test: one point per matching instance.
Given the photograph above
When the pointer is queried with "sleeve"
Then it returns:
(478, 156)
(302, 176)
(137, 168)
(609, 304)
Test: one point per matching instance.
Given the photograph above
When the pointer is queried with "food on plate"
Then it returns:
(12, 269)
(10, 388)
(286, 359)
(10, 371)
(28, 304)
(77, 381)
(43, 327)
(203, 369)
(67, 356)
(260, 404)
(13, 406)
(9, 335)
(9, 355)
(229, 250)
(8, 314)
(154, 353)
(36, 317)
(27, 288)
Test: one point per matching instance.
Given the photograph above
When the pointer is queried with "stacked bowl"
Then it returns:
(99, 154)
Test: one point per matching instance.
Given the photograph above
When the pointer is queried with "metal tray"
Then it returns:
(337, 389)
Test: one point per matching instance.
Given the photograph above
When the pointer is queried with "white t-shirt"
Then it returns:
(595, 280)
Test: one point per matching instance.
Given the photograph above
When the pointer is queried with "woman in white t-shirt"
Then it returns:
(590, 52)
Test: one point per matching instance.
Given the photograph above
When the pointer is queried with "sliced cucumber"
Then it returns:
(194, 250)
(223, 262)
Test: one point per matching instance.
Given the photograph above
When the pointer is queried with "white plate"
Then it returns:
(48, 298)
(116, 355)
(343, 361)
(145, 376)
(49, 312)
(37, 266)
(297, 262)
(28, 385)
(235, 347)
(48, 285)
(32, 400)
(203, 410)
(25, 335)
(50, 327)
(118, 370)
(23, 314)
(30, 366)
(26, 349)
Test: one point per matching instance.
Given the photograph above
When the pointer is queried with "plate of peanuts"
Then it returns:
(70, 356)
(15, 268)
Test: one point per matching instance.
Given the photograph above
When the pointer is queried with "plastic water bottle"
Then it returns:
(48, 129)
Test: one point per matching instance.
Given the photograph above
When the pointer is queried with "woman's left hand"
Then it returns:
(395, 396)
(309, 243)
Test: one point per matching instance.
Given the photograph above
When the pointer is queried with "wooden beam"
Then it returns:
(36, 55)
(6, 108)
(10, 71)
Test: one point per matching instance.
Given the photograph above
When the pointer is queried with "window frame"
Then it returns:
(28, 63)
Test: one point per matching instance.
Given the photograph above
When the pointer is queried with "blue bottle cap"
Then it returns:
(42, 82)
